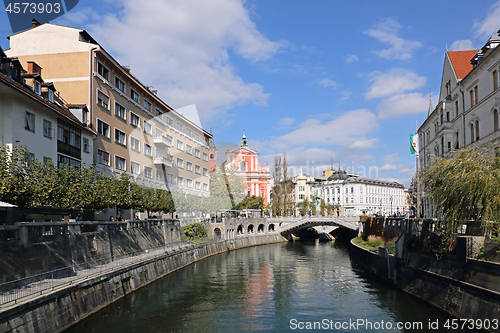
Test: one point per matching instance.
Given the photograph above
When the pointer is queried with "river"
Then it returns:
(283, 287)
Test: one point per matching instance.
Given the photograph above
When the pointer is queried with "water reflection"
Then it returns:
(261, 289)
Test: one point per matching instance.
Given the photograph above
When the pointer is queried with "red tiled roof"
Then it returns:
(460, 60)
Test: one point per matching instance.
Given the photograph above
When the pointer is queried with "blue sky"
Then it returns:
(317, 79)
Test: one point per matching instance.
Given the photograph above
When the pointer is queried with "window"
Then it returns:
(301, 197)
(188, 131)
(302, 189)
(102, 100)
(197, 169)
(159, 112)
(103, 71)
(205, 172)
(179, 126)
(189, 149)
(170, 178)
(68, 134)
(86, 145)
(197, 185)
(477, 129)
(159, 175)
(170, 139)
(47, 129)
(148, 128)
(148, 150)
(180, 163)
(205, 187)
(189, 166)
(30, 121)
(120, 137)
(197, 153)
(148, 172)
(135, 144)
(205, 157)
(495, 120)
(135, 168)
(120, 111)
(196, 136)
(119, 84)
(159, 153)
(180, 145)
(134, 95)
(120, 163)
(180, 181)
(38, 88)
(456, 109)
(135, 120)
(495, 79)
(147, 105)
(85, 117)
(189, 183)
(473, 96)
(242, 166)
(51, 96)
(159, 132)
(102, 157)
(169, 120)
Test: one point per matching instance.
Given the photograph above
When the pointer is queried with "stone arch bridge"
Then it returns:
(230, 228)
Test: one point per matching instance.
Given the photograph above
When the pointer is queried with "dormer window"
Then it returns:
(38, 88)
(51, 96)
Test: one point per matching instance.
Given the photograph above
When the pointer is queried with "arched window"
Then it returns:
(242, 167)
(477, 129)
(471, 133)
(495, 120)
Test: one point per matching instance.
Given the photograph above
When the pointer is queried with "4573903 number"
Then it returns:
(31, 7)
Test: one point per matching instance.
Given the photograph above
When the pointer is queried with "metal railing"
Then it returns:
(39, 284)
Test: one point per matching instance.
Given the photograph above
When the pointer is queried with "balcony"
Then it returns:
(166, 161)
(162, 141)
(445, 126)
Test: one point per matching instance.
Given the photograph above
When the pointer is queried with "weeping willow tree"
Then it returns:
(465, 186)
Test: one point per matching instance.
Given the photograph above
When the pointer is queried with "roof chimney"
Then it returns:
(34, 23)
(33, 68)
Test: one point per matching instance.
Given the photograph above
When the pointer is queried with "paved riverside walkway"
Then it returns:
(31, 287)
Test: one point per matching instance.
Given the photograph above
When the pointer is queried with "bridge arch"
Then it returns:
(260, 228)
(239, 230)
(250, 229)
(218, 233)
(271, 227)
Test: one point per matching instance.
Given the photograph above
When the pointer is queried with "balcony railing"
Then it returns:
(161, 140)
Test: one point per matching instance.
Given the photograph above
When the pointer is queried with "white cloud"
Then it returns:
(403, 105)
(339, 131)
(351, 58)
(287, 121)
(391, 158)
(327, 83)
(461, 45)
(487, 27)
(386, 31)
(364, 143)
(175, 47)
(396, 81)
(79, 17)
(388, 167)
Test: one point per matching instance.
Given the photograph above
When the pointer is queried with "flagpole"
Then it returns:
(417, 174)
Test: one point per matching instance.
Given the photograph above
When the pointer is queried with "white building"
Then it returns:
(467, 110)
(351, 195)
(304, 187)
(32, 115)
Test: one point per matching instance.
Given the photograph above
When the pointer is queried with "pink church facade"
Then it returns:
(246, 163)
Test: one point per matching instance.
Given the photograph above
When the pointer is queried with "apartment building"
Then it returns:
(467, 110)
(33, 115)
(137, 132)
(304, 187)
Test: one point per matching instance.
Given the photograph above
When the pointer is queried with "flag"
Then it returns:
(414, 144)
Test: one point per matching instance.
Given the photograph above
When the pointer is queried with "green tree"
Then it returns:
(251, 202)
(465, 186)
(313, 209)
(195, 230)
(329, 209)
(322, 207)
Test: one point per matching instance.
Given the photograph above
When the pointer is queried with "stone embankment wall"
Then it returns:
(63, 307)
(465, 288)
(33, 248)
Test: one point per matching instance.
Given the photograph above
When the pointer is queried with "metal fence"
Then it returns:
(12, 291)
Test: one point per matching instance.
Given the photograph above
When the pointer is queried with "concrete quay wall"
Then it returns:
(63, 307)
(465, 289)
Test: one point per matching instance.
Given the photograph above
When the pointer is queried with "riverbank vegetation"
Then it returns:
(374, 242)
